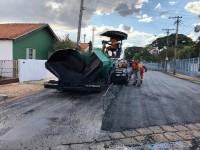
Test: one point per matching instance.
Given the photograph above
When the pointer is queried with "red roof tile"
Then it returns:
(84, 46)
(13, 31)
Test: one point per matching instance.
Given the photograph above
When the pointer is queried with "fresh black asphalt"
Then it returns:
(49, 119)
(161, 100)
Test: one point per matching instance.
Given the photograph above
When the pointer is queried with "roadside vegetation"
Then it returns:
(62, 44)
(156, 51)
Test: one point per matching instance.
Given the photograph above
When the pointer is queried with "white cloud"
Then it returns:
(194, 36)
(62, 31)
(158, 6)
(135, 38)
(59, 12)
(193, 7)
(126, 28)
(127, 44)
(62, 16)
(172, 2)
(122, 7)
(145, 18)
(101, 13)
(53, 4)
(196, 24)
(64, 12)
(163, 14)
(141, 38)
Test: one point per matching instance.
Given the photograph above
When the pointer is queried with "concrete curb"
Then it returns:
(187, 79)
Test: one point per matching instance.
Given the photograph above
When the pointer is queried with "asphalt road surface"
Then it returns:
(161, 100)
(49, 118)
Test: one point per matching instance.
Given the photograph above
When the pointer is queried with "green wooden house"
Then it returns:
(25, 41)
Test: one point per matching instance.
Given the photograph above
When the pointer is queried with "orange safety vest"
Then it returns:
(140, 67)
(135, 65)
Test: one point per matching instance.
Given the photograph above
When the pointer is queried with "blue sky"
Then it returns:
(142, 20)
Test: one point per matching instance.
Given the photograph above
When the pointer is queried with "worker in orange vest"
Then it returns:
(144, 69)
(138, 72)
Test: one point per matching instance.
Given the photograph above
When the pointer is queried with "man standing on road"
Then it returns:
(138, 72)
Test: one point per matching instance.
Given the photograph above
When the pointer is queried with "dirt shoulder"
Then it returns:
(18, 90)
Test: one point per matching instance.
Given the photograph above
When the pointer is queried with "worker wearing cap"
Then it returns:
(138, 72)
(113, 44)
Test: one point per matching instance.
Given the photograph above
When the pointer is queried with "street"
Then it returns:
(161, 100)
(51, 119)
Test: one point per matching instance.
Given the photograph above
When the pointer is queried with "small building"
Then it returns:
(84, 47)
(25, 41)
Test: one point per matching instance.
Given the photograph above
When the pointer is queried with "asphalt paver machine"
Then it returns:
(79, 72)
(90, 71)
(119, 74)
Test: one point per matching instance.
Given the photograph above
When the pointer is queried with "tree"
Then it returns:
(129, 52)
(182, 41)
(147, 56)
(197, 49)
(186, 52)
(63, 44)
(162, 54)
(138, 53)
(136, 56)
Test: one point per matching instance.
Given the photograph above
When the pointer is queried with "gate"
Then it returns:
(8, 69)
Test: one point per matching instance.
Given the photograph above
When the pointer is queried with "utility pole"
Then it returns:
(93, 29)
(175, 48)
(166, 58)
(67, 37)
(79, 24)
(84, 37)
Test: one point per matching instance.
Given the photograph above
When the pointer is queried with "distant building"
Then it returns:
(25, 41)
(153, 50)
(84, 47)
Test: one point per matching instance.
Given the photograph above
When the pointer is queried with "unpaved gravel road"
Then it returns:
(49, 119)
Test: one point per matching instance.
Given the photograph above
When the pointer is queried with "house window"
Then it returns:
(30, 53)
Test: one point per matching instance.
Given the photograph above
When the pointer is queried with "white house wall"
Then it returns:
(6, 50)
(31, 69)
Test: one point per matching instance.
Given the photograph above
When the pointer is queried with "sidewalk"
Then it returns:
(185, 77)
